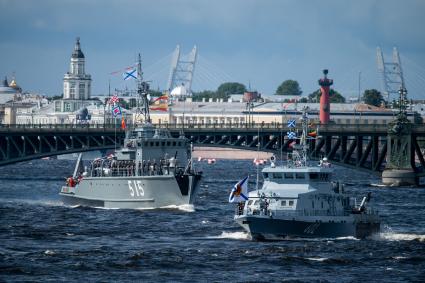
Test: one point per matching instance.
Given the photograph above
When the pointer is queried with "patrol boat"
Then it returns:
(151, 170)
(299, 200)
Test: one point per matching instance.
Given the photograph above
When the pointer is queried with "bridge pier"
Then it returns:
(400, 169)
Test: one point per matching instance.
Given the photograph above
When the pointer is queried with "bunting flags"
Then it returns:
(114, 99)
(291, 135)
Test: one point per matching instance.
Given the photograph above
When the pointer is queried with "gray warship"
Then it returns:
(298, 199)
(152, 169)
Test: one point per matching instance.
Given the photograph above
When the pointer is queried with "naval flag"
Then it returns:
(291, 123)
(240, 191)
(130, 74)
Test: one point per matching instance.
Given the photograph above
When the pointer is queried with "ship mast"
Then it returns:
(142, 92)
(303, 141)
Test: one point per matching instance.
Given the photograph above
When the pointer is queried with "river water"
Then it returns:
(43, 240)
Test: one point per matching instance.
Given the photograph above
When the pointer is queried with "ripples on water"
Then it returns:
(41, 239)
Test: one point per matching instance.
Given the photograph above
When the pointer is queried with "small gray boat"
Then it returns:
(299, 200)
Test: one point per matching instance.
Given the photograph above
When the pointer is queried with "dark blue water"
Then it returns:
(43, 240)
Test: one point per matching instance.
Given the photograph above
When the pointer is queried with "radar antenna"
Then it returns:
(142, 93)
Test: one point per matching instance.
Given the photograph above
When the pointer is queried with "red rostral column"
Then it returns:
(325, 108)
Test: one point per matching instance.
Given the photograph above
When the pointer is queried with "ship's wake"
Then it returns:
(183, 207)
(392, 236)
(232, 236)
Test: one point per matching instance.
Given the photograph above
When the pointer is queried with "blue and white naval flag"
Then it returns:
(130, 74)
(291, 123)
(116, 110)
(240, 191)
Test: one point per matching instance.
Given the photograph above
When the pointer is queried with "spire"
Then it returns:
(77, 54)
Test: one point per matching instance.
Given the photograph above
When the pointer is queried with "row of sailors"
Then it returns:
(128, 167)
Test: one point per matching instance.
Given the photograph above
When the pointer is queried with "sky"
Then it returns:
(257, 43)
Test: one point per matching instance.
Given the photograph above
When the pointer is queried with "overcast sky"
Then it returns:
(260, 43)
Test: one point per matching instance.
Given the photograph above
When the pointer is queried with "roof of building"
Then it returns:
(77, 53)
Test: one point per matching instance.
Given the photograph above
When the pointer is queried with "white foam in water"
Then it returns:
(391, 236)
(317, 258)
(49, 252)
(37, 202)
(232, 235)
(347, 238)
(183, 207)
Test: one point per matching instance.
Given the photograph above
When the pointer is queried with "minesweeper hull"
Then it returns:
(267, 228)
(141, 192)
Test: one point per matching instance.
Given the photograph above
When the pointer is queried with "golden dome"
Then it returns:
(14, 85)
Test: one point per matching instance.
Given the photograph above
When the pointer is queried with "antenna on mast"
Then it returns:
(143, 91)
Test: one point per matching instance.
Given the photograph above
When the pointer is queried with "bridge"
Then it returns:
(357, 145)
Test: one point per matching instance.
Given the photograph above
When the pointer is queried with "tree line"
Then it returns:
(290, 88)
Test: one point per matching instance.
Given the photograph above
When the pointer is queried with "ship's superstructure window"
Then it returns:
(250, 202)
(168, 143)
(289, 175)
(299, 176)
(314, 176)
(324, 176)
(277, 176)
(291, 203)
(174, 143)
(162, 143)
(156, 143)
(151, 143)
(266, 175)
(283, 203)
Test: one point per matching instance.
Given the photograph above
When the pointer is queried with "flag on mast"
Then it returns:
(123, 125)
(130, 74)
(116, 111)
(240, 191)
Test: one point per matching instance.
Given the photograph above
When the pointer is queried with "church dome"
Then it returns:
(6, 89)
(77, 53)
(15, 86)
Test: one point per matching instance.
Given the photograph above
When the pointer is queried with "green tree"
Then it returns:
(231, 88)
(207, 94)
(334, 96)
(56, 97)
(373, 97)
(289, 87)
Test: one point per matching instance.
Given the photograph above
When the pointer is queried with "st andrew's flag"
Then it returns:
(240, 191)
(130, 74)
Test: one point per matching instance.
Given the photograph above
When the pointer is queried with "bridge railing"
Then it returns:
(356, 128)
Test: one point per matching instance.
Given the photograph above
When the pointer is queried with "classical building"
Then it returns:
(76, 83)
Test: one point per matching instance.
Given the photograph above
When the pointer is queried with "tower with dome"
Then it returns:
(76, 83)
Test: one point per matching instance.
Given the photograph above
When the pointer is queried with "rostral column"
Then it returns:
(325, 108)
